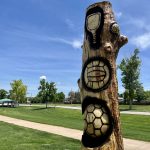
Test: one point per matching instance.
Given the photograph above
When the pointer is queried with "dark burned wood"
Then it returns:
(110, 42)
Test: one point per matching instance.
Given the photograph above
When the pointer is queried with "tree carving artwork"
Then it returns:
(96, 74)
(98, 83)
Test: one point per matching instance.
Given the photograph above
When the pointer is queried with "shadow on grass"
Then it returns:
(7, 107)
(127, 109)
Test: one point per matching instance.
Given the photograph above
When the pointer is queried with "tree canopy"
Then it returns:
(60, 97)
(139, 94)
(74, 97)
(130, 68)
(48, 92)
(18, 91)
(3, 94)
(147, 95)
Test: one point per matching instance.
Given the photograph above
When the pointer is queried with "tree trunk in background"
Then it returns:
(130, 104)
(98, 83)
(46, 104)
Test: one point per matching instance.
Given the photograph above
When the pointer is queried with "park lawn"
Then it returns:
(141, 108)
(53, 116)
(19, 138)
(136, 127)
(133, 126)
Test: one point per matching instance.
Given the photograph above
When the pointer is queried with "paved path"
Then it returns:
(122, 112)
(79, 108)
(135, 113)
(71, 133)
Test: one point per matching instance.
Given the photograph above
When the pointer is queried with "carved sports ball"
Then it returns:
(96, 120)
(96, 74)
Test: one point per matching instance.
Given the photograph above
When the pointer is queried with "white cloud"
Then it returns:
(141, 23)
(42, 77)
(57, 39)
(142, 41)
(76, 43)
(118, 14)
(69, 23)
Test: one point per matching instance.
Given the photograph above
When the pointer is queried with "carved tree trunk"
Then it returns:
(98, 83)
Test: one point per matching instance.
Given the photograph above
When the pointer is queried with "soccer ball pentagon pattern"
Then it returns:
(96, 121)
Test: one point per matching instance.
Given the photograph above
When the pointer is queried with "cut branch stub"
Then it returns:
(98, 83)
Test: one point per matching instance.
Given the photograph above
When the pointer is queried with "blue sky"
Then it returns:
(43, 37)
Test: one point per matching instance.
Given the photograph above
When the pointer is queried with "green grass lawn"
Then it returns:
(54, 116)
(19, 138)
(142, 108)
(133, 126)
(136, 127)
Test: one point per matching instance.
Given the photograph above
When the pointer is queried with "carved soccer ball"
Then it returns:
(96, 120)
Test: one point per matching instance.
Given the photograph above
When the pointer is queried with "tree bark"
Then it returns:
(130, 104)
(46, 104)
(102, 41)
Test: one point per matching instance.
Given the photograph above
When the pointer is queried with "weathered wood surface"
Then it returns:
(110, 43)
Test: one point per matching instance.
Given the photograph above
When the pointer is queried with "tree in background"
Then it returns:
(51, 92)
(130, 68)
(71, 96)
(60, 97)
(47, 92)
(3, 94)
(42, 90)
(147, 95)
(74, 97)
(139, 94)
(126, 96)
(120, 94)
(18, 91)
(77, 97)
